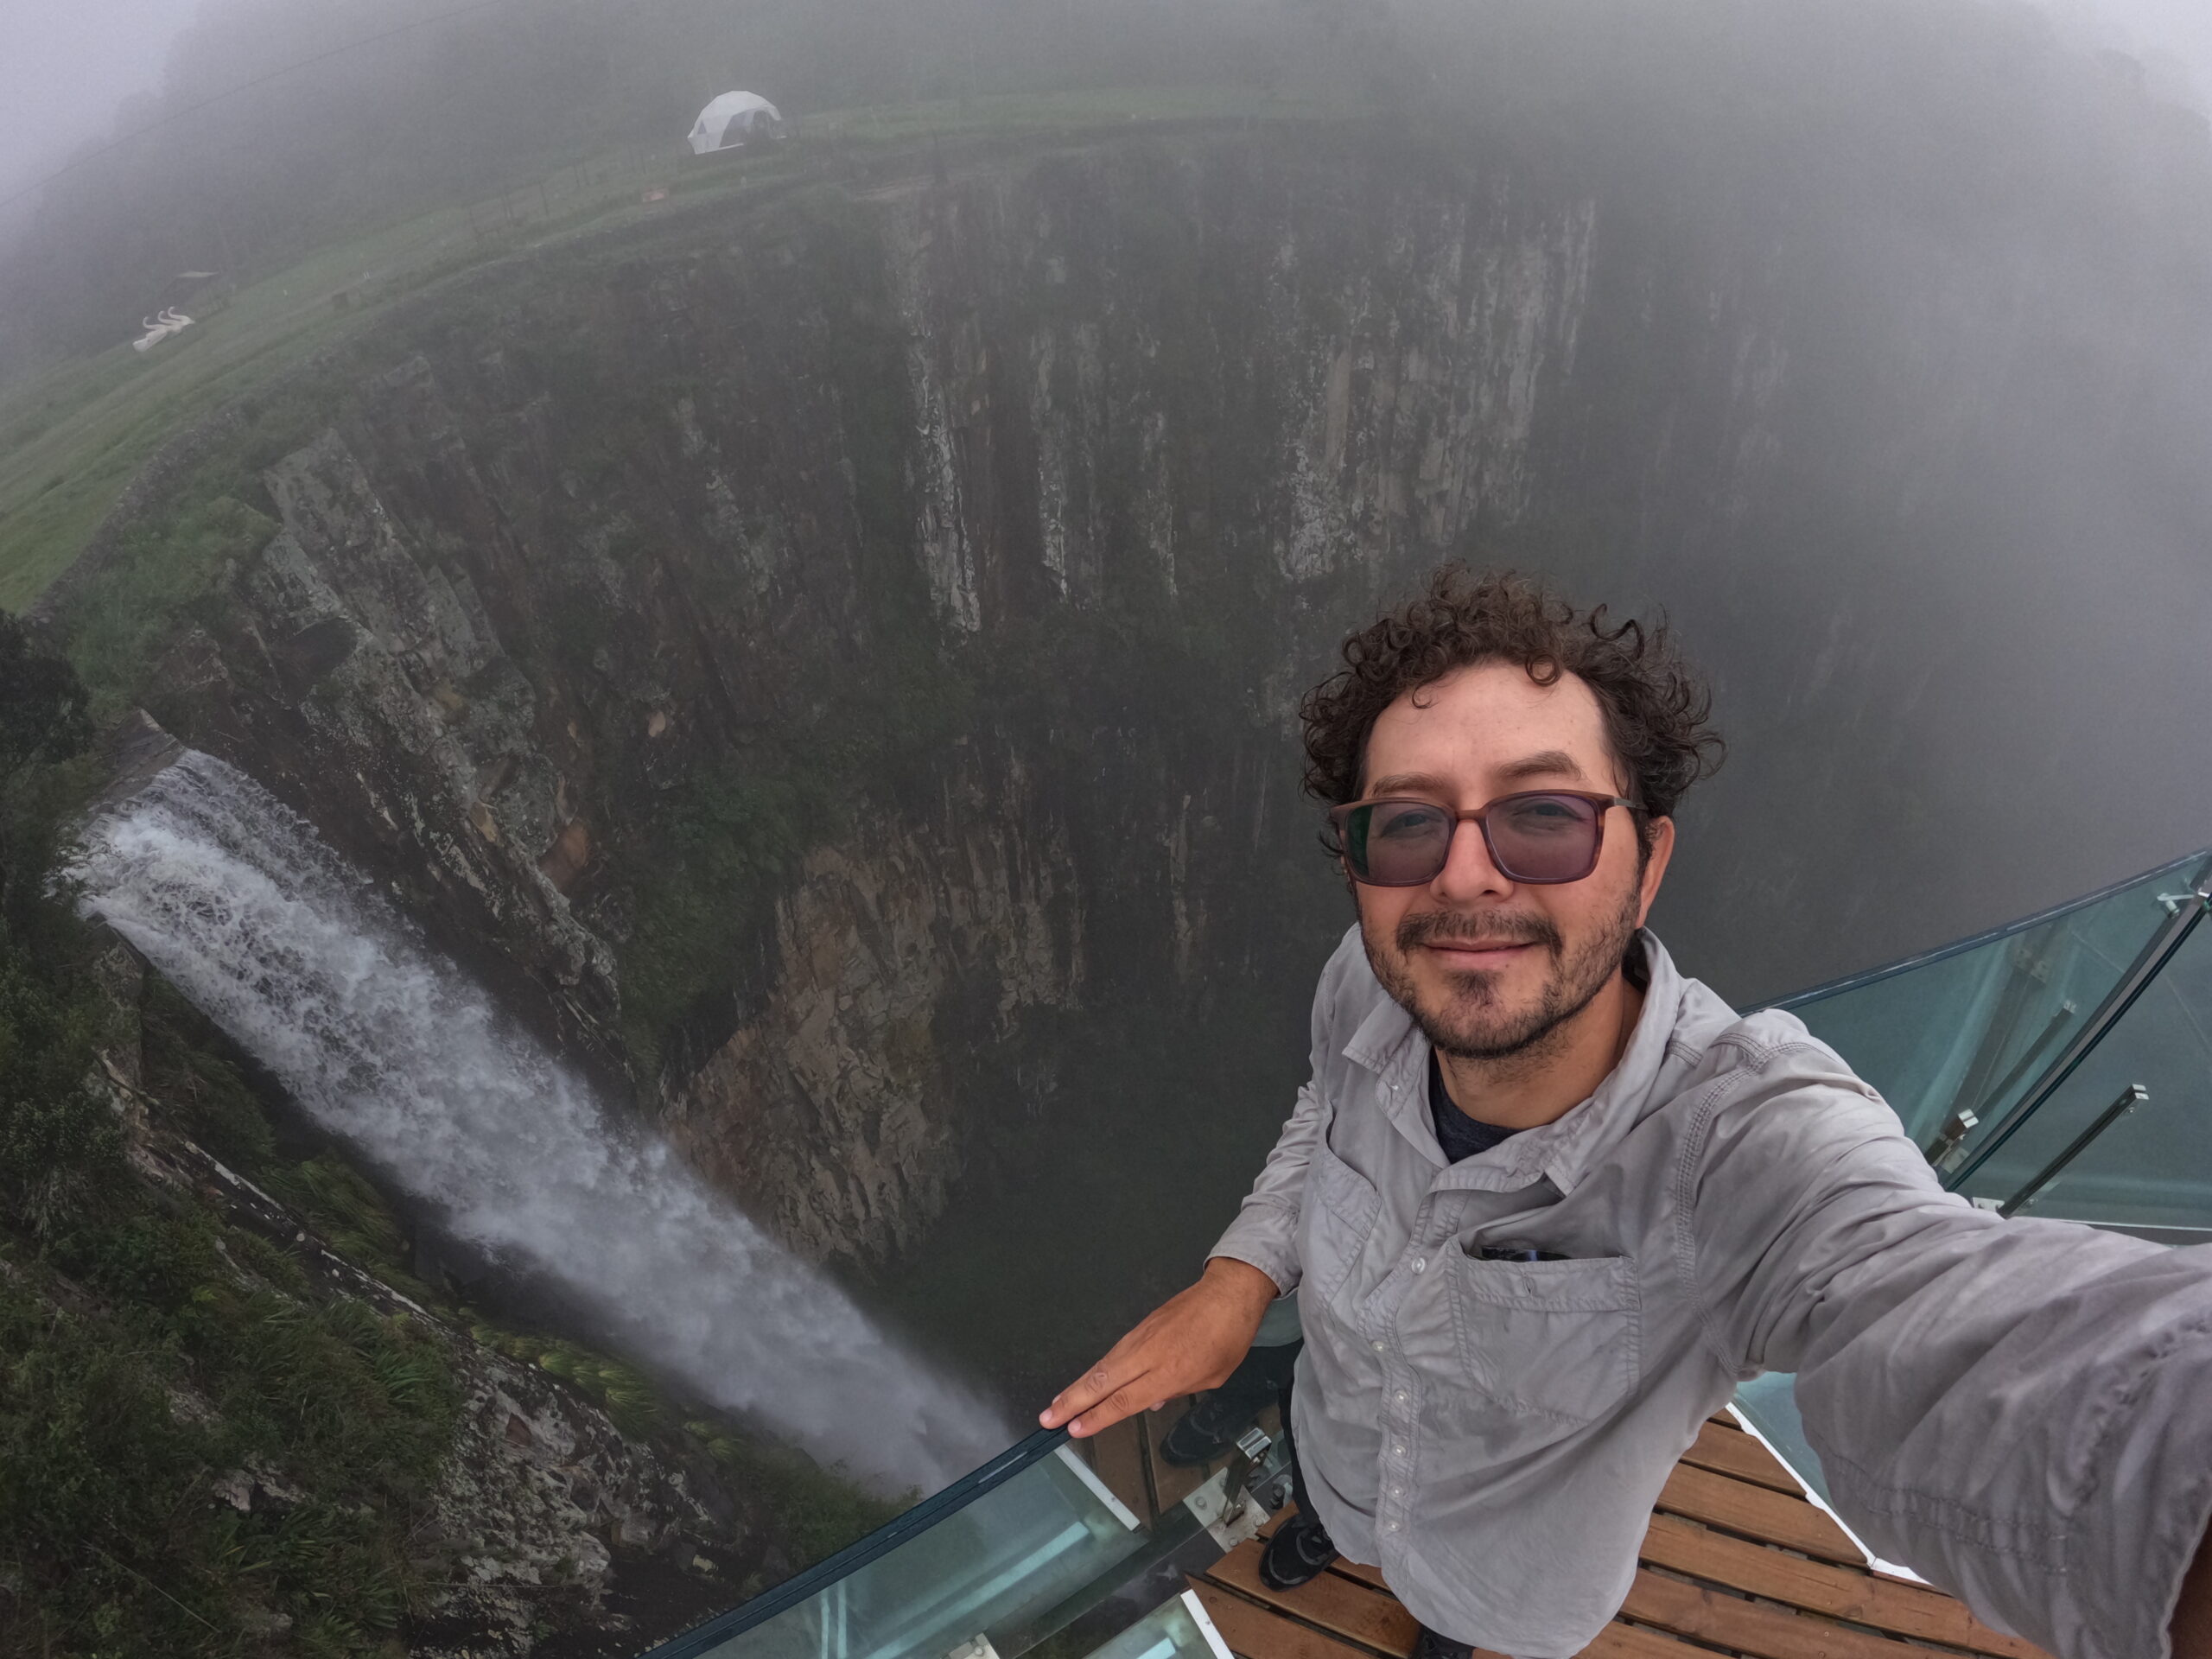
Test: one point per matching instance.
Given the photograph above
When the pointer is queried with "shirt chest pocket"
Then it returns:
(1560, 1340)
(1341, 1206)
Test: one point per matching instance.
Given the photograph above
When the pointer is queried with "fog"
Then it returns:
(67, 71)
(75, 77)
(64, 72)
(238, 137)
(1967, 690)
(2173, 38)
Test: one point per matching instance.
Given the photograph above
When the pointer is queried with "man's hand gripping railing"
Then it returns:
(1191, 1341)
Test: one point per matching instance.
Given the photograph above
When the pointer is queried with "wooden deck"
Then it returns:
(1736, 1561)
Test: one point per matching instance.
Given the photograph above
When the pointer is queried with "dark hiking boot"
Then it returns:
(1430, 1645)
(1207, 1431)
(1299, 1553)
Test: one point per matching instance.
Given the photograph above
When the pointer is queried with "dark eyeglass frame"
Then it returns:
(1340, 818)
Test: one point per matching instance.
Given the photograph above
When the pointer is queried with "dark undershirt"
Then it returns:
(1460, 1135)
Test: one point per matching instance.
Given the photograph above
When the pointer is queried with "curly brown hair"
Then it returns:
(1656, 705)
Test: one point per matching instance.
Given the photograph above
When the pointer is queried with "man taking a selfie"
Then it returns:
(1545, 1200)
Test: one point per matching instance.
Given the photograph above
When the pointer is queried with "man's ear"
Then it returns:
(1661, 833)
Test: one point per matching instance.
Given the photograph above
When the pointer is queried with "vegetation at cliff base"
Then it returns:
(200, 1447)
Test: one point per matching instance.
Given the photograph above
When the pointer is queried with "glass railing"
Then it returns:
(1034, 1553)
(2125, 1139)
(1176, 1630)
(2059, 1067)
(1959, 1039)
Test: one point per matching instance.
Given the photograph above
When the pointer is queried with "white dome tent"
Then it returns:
(733, 121)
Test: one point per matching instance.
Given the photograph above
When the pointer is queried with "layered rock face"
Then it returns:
(1060, 454)
(812, 647)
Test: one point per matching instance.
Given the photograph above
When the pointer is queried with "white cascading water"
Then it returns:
(234, 899)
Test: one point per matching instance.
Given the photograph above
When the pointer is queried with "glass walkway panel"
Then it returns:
(1011, 1553)
(1033, 1552)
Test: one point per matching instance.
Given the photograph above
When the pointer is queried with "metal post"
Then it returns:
(2130, 1097)
(2146, 967)
(2037, 1050)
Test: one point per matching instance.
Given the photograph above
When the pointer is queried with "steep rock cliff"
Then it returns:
(813, 645)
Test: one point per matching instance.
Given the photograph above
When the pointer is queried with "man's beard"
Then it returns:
(1471, 1025)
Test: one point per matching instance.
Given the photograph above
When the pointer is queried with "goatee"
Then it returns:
(1470, 1023)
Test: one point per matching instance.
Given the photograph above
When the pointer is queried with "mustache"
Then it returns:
(1441, 927)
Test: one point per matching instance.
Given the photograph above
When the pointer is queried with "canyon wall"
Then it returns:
(819, 652)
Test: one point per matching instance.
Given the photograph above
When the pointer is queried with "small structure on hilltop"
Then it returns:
(734, 120)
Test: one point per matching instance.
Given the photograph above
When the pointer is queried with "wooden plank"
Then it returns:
(1619, 1641)
(1817, 1587)
(1256, 1632)
(1732, 1452)
(1341, 1604)
(1769, 1517)
(1358, 1572)
(1754, 1628)
(1369, 1576)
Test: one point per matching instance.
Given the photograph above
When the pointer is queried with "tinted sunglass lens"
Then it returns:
(1398, 843)
(1544, 837)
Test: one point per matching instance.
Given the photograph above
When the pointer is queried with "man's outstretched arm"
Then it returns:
(2020, 1409)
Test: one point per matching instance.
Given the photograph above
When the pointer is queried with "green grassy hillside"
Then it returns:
(72, 437)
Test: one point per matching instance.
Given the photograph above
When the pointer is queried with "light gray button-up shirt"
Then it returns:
(2020, 1410)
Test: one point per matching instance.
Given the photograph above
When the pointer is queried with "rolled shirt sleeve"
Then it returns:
(2020, 1410)
(1265, 1233)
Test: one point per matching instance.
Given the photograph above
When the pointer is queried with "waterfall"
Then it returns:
(294, 953)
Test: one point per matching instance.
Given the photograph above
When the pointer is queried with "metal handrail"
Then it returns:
(2130, 1097)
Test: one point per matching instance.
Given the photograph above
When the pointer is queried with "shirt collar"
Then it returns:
(1388, 1044)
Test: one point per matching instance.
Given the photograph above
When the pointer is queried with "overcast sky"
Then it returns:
(65, 64)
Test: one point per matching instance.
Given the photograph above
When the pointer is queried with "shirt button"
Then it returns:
(1401, 1397)
(1397, 1491)
(1400, 1450)
(1421, 1264)
(1378, 1347)
(1394, 1526)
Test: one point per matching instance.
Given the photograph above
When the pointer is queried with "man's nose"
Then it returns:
(1469, 872)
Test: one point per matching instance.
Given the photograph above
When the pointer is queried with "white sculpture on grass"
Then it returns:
(159, 328)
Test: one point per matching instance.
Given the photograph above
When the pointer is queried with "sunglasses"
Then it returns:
(1542, 837)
